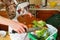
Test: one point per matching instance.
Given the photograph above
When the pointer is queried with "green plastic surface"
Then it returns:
(32, 37)
(54, 20)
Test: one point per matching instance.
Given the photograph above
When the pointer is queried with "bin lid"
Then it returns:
(54, 20)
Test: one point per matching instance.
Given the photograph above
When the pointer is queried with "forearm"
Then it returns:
(5, 21)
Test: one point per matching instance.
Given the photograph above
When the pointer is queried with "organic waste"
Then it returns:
(42, 33)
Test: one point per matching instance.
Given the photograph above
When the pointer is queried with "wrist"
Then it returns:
(5, 21)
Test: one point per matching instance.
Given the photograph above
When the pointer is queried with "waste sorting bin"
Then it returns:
(53, 33)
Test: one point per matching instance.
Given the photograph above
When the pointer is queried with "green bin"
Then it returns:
(53, 33)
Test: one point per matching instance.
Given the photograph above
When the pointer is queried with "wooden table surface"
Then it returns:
(5, 38)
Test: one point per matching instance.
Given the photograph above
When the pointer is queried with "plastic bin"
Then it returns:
(53, 33)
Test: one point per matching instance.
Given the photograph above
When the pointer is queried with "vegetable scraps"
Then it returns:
(42, 33)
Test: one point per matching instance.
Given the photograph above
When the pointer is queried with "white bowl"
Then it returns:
(2, 33)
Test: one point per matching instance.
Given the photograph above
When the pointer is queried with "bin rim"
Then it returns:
(54, 32)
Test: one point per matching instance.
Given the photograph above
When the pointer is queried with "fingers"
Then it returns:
(24, 26)
(21, 25)
(17, 31)
(21, 29)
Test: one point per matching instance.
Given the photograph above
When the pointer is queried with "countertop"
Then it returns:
(46, 8)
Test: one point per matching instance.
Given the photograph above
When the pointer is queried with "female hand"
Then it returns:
(18, 27)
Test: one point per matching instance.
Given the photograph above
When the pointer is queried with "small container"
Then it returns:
(53, 4)
(2, 33)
